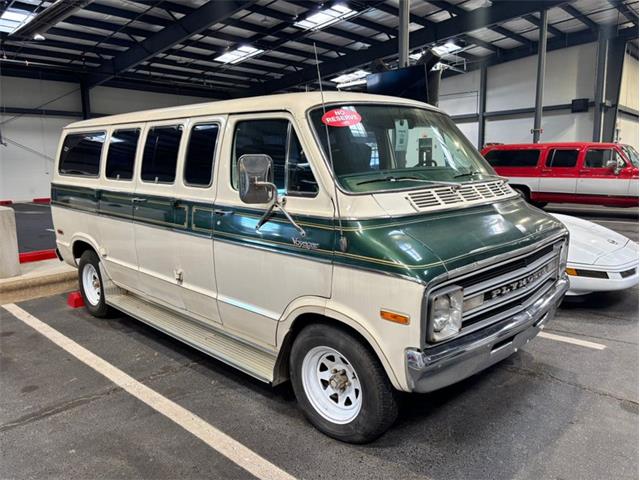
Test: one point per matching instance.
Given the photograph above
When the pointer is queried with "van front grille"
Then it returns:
(469, 194)
(503, 290)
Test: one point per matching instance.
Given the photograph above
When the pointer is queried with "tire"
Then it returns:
(368, 400)
(91, 286)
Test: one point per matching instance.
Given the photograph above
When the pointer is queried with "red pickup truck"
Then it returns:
(580, 172)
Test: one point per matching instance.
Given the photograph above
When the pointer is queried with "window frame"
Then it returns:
(515, 151)
(148, 128)
(291, 127)
(102, 153)
(552, 150)
(115, 128)
(616, 155)
(216, 152)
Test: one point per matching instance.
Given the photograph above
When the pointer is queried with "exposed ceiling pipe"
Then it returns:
(47, 18)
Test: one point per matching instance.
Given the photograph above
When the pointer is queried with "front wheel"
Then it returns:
(340, 385)
(91, 286)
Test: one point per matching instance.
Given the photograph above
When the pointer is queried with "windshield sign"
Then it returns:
(388, 147)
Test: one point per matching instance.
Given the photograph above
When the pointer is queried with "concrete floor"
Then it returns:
(553, 410)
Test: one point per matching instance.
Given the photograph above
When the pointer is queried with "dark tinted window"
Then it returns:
(300, 176)
(122, 153)
(597, 158)
(199, 161)
(80, 154)
(268, 137)
(513, 158)
(161, 154)
(562, 158)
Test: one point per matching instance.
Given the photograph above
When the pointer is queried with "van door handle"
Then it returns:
(222, 213)
(139, 200)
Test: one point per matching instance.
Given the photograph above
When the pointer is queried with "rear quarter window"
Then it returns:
(80, 154)
(513, 158)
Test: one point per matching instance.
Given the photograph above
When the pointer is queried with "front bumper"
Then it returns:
(456, 360)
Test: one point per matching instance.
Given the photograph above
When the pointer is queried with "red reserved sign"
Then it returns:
(340, 117)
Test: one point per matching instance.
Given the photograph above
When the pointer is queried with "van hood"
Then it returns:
(427, 245)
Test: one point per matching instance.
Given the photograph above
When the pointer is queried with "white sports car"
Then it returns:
(599, 259)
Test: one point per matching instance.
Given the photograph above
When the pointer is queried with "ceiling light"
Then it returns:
(416, 56)
(238, 55)
(350, 77)
(353, 83)
(39, 37)
(325, 17)
(446, 49)
(12, 19)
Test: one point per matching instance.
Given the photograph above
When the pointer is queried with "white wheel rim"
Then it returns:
(91, 284)
(331, 384)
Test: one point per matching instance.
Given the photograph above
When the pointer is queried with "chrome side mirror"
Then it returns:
(256, 179)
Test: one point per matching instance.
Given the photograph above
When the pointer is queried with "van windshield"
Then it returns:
(377, 147)
(631, 153)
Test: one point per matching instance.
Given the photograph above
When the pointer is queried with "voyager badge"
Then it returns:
(304, 244)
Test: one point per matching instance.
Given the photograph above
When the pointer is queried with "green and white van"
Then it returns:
(356, 245)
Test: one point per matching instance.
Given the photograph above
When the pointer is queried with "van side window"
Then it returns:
(277, 139)
(598, 158)
(161, 154)
(198, 167)
(122, 154)
(513, 158)
(81, 153)
(562, 158)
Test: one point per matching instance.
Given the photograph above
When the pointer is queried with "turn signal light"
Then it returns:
(572, 271)
(394, 317)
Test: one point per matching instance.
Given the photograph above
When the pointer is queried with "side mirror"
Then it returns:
(613, 165)
(256, 179)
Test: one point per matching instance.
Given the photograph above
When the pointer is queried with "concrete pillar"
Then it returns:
(9, 260)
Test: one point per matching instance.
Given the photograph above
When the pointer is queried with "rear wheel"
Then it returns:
(340, 385)
(91, 284)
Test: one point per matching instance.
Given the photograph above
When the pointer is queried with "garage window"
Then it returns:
(122, 154)
(198, 167)
(81, 153)
(562, 158)
(161, 154)
(513, 158)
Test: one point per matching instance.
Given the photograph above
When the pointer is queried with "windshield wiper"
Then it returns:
(409, 179)
(472, 173)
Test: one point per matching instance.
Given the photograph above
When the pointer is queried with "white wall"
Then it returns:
(570, 73)
(27, 160)
(626, 124)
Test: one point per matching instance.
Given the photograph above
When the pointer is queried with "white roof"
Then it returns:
(293, 102)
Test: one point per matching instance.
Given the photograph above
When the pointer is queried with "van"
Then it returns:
(580, 172)
(355, 245)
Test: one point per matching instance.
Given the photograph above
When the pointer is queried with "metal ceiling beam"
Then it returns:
(550, 28)
(578, 15)
(470, 21)
(189, 25)
(625, 10)
(512, 35)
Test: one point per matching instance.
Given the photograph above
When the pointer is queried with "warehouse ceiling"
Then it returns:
(223, 49)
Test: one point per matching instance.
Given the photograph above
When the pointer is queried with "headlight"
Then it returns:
(445, 314)
(562, 262)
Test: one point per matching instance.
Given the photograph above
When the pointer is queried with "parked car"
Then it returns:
(599, 259)
(581, 172)
(353, 244)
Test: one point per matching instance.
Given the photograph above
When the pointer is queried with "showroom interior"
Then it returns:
(86, 397)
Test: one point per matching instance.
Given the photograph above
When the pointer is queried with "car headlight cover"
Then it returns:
(446, 314)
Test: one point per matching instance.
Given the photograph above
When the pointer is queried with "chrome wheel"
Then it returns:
(91, 284)
(331, 384)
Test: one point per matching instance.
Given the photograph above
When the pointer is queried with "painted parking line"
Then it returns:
(219, 441)
(573, 341)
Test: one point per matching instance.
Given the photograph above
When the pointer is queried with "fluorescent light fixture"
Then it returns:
(238, 55)
(325, 17)
(39, 37)
(351, 77)
(446, 49)
(12, 19)
(416, 56)
(353, 83)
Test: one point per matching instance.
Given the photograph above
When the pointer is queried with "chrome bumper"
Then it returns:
(440, 366)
